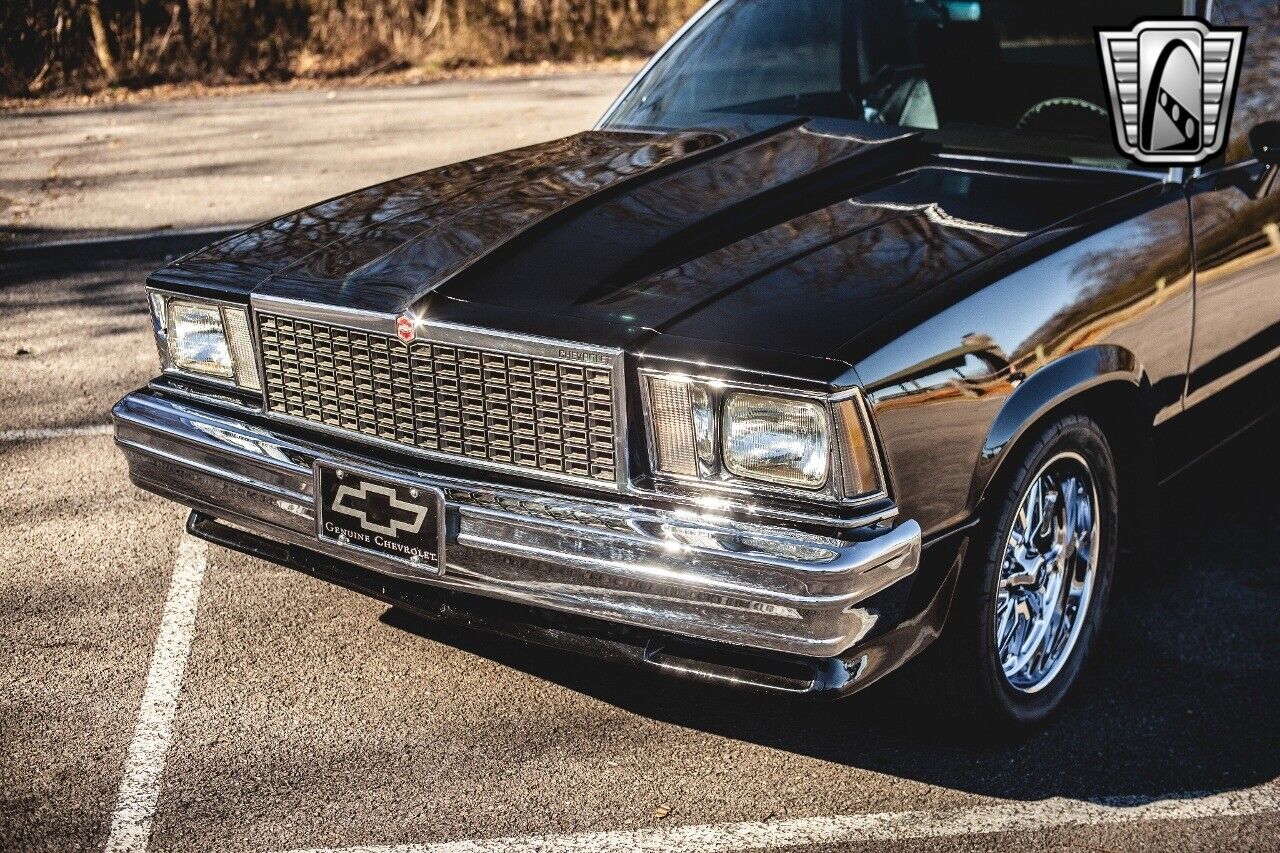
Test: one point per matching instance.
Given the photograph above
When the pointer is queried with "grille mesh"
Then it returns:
(537, 413)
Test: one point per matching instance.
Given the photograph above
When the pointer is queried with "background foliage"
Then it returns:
(48, 45)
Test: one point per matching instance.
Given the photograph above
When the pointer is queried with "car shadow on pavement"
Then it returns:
(1181, 697)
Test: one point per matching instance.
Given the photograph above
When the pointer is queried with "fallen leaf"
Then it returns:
(661, 811)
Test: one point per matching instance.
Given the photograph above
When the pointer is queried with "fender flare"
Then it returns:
(1047, 389)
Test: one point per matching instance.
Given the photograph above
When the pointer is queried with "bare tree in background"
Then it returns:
(101, 41)
(85, 44)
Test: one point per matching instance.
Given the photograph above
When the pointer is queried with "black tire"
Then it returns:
(967, 655)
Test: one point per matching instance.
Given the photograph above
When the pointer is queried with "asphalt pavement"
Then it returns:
(76, 173)
(173, 697)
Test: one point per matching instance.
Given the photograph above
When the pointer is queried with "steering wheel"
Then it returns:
(1065, 115)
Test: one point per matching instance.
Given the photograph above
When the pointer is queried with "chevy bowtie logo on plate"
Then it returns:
(352, 502)
(391, 519)
(1171, 83)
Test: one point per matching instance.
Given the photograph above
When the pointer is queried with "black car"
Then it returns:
(846, 329)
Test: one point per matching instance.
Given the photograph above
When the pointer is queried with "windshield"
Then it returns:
(1014, 77)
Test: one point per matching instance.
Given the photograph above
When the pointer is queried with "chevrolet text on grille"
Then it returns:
(578, 355)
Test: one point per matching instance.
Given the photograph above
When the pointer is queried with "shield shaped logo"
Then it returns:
(404, 328)
(1171, 83)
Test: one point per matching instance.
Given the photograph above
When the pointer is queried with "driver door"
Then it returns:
(1235, 354)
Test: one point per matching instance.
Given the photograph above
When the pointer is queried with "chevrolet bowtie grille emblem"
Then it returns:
(1171, 84)
(358, 504)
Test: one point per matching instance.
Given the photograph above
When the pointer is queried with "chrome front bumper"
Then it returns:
(677, 570)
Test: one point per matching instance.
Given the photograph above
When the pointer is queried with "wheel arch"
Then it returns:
(1106, 383)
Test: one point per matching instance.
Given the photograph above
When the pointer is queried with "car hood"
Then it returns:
(786, 236)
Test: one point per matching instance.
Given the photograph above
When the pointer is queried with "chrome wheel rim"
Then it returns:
(1047, 573)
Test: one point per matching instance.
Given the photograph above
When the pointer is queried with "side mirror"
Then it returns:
(1264, 139)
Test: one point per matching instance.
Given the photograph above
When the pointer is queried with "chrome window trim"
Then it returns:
(438, 331)
(728, 484)
(161, 333)
(1179, 174)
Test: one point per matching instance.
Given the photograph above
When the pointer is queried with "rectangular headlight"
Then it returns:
(197, 340)
(205, 339)
(776, 439)
(719, 434)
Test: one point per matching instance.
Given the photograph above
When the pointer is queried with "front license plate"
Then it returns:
(391, 519)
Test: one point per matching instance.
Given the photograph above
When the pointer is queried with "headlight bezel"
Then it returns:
(849, 429)
(245, 371)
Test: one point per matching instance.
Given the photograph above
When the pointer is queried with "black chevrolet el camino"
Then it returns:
(846, 330)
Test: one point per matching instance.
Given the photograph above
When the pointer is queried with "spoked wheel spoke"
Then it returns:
(1047, 573)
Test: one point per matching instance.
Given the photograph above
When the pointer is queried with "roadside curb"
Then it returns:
(151, 244)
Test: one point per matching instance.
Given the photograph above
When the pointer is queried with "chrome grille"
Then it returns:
(444, 398)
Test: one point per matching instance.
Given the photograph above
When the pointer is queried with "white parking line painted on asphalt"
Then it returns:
(53, 432)
(1039, 815)
(144, 765)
